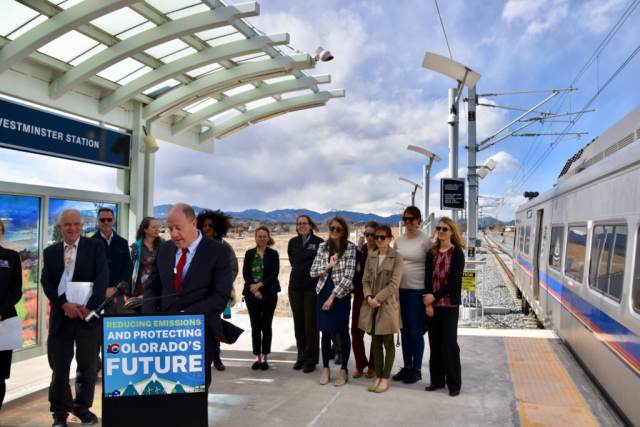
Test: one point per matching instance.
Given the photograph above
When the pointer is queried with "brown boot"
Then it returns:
(343, 377)
(326, 374)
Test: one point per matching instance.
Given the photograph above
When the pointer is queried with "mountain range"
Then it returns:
(290, 215)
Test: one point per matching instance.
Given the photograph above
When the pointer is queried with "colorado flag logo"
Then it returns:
(113, 349)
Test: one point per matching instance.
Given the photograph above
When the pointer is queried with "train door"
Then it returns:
(538, 249)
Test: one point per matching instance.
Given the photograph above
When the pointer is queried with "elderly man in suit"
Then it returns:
(75, 259)
(198, 270)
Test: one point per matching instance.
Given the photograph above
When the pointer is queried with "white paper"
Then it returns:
(11, 334)
(79, 292)
(62, 286)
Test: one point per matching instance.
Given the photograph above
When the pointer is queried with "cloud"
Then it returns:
(539, 15)
(506, 162)
(444, 173)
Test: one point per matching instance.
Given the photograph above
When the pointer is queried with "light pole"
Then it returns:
(401, 212)
(426, 171)
(413, 193)
(465, 77)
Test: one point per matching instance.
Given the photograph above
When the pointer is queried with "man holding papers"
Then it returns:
(10, 294)
(77, 262)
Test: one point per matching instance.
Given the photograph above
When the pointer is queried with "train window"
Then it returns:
(521, 239)
(576, 252)
(635, 295)
(515, 237)
(527, 240)
(608, 250)
(555, 248)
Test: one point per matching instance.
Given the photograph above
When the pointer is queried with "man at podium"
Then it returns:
(192, 273)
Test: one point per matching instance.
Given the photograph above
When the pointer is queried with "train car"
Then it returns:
(576, 257)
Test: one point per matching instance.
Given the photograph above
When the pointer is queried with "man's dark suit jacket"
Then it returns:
(206, 286)
(118, 257)
(91, 266)
(269, 276)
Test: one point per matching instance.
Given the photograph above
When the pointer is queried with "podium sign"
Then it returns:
(154, 369)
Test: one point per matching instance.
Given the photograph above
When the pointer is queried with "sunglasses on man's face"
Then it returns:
(407, 219)
(445, 229)
(338, 229)
(370, 235)
(106, 219)
(381, 237)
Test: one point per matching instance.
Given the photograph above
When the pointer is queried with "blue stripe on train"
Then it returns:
(617, 334)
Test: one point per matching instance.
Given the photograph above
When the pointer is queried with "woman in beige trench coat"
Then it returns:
(380, 313)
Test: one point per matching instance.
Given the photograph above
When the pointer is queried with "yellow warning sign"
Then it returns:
(469, 281)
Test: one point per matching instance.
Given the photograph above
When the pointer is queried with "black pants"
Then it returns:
(60, 354)
(261, 316)
(210, 351)
(444, 362)
(305, 326)
(5, 371)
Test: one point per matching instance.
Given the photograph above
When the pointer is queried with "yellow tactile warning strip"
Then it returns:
(517, 333)
(546, 395)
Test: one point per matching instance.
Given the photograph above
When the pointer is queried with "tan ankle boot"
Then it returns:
(342, 378)
(326, 374)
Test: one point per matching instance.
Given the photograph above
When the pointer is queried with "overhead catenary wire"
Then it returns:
(445, 33)
(562, 99)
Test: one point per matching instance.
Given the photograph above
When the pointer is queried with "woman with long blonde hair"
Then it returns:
(443, 286)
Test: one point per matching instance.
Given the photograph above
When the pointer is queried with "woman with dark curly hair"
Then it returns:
(215, 225)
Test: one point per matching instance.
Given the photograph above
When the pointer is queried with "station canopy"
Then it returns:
(199, 67)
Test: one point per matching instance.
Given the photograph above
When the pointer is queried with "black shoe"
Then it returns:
(87, 418)
(309, 368)
(454, 393)
(338, 360)
(59, 421)
(264, 366)
(255, 366)
(298, 365)
(413, 377)
(217, 363)
(332, 353)
(402, 374)
(432, 387)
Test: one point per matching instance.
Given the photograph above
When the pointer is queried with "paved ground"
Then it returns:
(282, 397)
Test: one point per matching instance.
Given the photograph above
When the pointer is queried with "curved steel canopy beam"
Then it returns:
(275, 108)
(188, 63)
(149, 38)
(225, 80)
(56, 26)
(264, 91)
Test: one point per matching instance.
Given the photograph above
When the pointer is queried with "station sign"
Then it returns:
(452, 194)
(34, 130)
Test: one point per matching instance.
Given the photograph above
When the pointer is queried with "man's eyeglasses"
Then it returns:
(407, 219)
(338, 229)
(381, 237)
(445, 229)
(106, 219)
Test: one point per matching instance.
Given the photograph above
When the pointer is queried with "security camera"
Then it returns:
(453, 116)
(323, 55)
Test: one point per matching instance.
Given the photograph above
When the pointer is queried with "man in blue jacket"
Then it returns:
(119, 258)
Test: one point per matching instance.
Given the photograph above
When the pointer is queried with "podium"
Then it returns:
(154, 369)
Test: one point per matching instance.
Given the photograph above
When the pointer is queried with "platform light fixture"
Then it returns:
(150, 144)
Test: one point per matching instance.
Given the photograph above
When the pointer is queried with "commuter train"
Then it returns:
(576, 254)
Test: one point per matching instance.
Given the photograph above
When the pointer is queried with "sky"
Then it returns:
(350, 154)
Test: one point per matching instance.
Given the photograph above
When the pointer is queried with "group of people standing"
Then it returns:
(394, 287)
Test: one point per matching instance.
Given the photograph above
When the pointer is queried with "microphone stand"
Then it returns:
(95, 314)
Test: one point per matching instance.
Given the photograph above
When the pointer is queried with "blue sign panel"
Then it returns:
(30, 129)
(152, 355)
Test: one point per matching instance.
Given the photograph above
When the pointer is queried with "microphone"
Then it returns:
(136, 302)
(95, 314)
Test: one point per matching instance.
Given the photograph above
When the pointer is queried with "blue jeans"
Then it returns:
(412, 310)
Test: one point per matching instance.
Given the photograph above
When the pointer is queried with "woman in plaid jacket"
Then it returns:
(335, 265)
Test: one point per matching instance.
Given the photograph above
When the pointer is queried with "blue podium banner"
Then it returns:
(152, 355)
(31, 129)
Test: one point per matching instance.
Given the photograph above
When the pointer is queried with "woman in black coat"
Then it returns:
(261, 286)
(10, 294)
(443, 286)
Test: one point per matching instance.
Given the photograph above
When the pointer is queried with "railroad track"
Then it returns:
(497, 251)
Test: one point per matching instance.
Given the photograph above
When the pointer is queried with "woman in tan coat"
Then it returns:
(380, 313)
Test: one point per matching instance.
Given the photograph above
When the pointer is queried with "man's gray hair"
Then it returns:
(65, 211)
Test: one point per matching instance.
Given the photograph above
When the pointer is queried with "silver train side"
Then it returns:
(576, 258)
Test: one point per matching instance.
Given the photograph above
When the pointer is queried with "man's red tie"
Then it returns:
(179, 270)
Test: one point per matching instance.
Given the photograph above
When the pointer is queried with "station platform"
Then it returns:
(509, 378)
